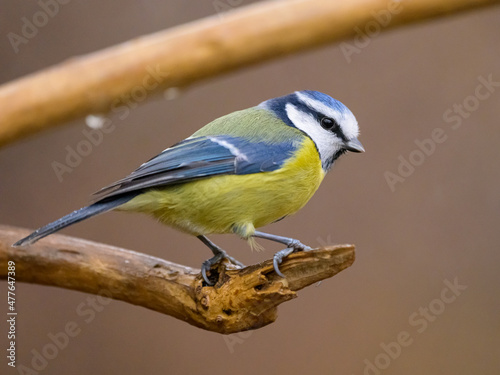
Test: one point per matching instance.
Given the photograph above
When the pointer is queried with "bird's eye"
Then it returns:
(328, 123)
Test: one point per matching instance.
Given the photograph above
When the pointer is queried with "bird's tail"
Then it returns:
(75, 217)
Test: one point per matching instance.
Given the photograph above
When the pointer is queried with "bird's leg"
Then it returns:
(292, 246)
(219, 255)
(289, 242)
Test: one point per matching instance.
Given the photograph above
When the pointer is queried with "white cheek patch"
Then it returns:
(326, 142)
(344, 118)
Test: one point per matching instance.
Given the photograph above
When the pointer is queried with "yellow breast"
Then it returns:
(236, 203)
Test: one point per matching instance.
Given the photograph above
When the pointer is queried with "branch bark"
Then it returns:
(98, 82)
(242, 299)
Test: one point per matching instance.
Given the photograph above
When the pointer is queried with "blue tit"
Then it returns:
(240, 172)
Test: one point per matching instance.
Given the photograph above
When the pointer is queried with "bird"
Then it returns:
(240, 172)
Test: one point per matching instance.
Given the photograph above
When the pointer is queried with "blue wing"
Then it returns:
(202, 157)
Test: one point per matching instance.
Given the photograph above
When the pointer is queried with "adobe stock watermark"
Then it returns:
(239, 338)
(454, 116)
(30, 26)
(236, 339)
(418, 321)
(223, 6)
(57, 342)
(371, 29)
(99, 126)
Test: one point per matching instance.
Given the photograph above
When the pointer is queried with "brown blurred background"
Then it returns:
(439, 226)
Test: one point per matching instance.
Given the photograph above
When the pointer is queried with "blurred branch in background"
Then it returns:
(242, 299)
(174, 58)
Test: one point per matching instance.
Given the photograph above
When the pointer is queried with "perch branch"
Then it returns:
(242, 299)
(104, 80)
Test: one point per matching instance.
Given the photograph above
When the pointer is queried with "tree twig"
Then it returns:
(104, 80)
(242, 299)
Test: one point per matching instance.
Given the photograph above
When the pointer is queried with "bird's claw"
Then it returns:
(280, 255)
(207, 265)
(278, 258)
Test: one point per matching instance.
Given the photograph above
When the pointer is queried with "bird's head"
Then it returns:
(329, 123)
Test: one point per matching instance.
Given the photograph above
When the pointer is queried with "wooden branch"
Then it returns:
(102, 81)
(242, 299)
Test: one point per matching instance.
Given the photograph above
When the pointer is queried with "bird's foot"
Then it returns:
(293, 247)
(216, 259)
(296, 245)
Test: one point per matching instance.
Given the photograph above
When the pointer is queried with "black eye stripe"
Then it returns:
(278, 106)
(332, 126)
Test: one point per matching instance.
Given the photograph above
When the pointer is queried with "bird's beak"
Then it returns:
(354, 146)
